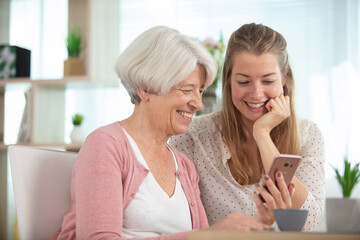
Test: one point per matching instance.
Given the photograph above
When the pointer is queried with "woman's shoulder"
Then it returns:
(107, 145)
(309, 129)
(306, 125)
(112, 130)
(108, 136)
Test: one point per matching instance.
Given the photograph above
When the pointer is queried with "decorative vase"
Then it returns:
(343, 215)
(73, 67)
(77, 135)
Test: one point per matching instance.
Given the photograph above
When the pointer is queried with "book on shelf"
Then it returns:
(24, 131)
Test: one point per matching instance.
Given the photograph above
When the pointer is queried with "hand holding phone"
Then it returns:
(286, 164)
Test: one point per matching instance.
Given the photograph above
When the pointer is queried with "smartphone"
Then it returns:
(286, 164)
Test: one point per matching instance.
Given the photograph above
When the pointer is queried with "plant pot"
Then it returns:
(343, 215)
(77, 135)
(73, 67)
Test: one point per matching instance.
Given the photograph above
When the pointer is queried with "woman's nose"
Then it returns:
(197, 102)
(257, 90)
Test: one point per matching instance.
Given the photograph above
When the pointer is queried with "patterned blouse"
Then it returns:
(222, 195)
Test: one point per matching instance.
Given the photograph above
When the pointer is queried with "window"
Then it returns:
(322, 38)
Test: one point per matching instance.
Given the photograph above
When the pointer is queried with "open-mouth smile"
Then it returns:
(256, 107)
(187, 116)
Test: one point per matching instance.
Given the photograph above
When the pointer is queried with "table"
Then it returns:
(215, 235)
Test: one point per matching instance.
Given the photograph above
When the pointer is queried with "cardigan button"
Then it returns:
(192, 204)
(179, 173)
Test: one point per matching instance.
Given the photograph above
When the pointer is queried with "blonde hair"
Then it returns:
(256, 39)
(159, 59)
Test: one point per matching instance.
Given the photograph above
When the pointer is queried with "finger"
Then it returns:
(269, 200)
(287, 104)
(269, 105)
(283, 102)
(263, 214)
(274, 193)
(252, 223)
(287, 99)
(244, 222)
(283, 106)
(278, 106)
(283, 189)
(260, 204)
(291, 189)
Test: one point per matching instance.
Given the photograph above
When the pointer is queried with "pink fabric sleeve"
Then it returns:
(201, 211)
(99, 190)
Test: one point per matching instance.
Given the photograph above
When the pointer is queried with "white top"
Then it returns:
(222, 195)
(151, 212)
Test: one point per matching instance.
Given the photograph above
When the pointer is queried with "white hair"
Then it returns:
(159, 59)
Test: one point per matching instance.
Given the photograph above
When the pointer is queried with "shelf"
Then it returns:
(73, 82)
(5, 81)
(73, 147)
(16, 84)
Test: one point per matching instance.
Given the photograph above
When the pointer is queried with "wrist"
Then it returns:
(260, 134)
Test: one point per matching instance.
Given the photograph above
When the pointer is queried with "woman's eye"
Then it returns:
(186, 91)
(268, 81)
(242, 82)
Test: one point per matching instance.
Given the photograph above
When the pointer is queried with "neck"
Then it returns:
(145, 130)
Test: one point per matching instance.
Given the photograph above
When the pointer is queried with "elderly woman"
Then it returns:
(127, 181)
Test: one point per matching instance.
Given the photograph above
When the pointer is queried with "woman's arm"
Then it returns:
(268, 151)
(98, 189)
(311, 172)
(278, 110)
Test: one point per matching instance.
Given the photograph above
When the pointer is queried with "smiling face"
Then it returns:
(174, 111)
(254, 81)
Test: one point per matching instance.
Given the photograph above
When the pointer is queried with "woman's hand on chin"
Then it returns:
(278, 110)
(239, 222)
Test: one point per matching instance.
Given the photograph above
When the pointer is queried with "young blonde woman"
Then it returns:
(234, 148)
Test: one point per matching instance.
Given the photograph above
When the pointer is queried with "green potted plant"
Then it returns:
(343, 214)
(73, 43)
(74, 64)
(77, 119)
(77, 135)
(349, 179)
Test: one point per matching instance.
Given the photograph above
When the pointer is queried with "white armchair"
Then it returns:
(41, 181)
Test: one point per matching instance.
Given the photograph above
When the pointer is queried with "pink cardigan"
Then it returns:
(106, 177)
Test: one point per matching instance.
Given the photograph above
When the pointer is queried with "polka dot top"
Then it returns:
(222, 195)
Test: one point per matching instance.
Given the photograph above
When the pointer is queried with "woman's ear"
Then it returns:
(144, 96)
